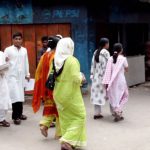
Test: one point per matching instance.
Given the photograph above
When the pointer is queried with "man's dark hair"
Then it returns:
(44, 38)
(17, 34)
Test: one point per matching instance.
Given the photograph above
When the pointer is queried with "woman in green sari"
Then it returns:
(68, 98)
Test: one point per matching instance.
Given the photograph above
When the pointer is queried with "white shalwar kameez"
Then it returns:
(18, 70)
(98, 91)
(5, 101)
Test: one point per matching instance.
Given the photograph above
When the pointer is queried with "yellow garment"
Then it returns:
(42, 93)
(47, 120)
(70, 105)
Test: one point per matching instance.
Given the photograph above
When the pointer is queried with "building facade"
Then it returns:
(86, 22)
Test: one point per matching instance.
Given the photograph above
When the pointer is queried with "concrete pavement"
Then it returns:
(131, 134)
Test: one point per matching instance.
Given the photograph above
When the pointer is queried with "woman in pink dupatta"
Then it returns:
(114, 79)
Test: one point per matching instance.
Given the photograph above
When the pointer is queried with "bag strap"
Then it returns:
(56, 74)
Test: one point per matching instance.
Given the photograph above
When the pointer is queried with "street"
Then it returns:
(131, 134)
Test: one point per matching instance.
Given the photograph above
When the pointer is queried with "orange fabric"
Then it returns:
(40, 90)
(49, 108)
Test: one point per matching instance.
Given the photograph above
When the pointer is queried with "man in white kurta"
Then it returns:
(5, 101)
(18, 71)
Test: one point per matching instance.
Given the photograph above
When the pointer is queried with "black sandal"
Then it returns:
(17, 121)
(4, 123)
(23, 117)
(98, 117)
(118, 118)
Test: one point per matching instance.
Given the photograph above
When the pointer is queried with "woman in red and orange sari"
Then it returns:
(41, 93)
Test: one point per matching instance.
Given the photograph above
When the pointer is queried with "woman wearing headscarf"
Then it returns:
(68, 98)
(41, 93)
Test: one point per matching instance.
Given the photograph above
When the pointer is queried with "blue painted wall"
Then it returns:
(78, 18)
(24, 13)
(12, 12)
(91, 39)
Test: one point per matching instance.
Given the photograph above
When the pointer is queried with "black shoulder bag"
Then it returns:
(50, 83)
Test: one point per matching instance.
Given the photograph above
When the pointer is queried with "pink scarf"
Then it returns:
(109, 77)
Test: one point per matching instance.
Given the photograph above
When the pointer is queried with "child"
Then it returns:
(99, 62)
(5, 101)
(115, 81)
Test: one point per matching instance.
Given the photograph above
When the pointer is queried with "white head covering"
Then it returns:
(64, 49)
(60, 36)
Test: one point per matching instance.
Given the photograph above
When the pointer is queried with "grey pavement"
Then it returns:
(131, 134)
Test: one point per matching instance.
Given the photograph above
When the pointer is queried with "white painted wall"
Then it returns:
(136, 74)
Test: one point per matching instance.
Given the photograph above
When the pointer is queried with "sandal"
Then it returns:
(66, 146)
(113, 114)
(44, 131)
(23, 117)
(98, 117)
(118, 117)
(121, 118)
(57, 137)
(52, 125)
(4, 123)
(17, 121)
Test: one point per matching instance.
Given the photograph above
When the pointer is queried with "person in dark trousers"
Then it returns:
(17, 73)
